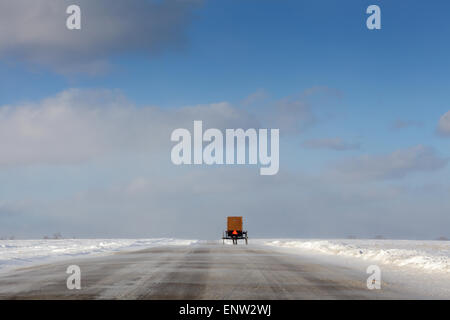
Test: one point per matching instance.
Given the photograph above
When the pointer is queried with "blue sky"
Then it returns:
(248, 45)
(374, 93)
(239, 47)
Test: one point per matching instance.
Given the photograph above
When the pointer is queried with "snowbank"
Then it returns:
(14, 253)
(424, 255)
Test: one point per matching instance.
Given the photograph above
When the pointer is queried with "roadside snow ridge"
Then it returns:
(425, 255)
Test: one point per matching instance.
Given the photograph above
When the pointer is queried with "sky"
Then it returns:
(86, 117)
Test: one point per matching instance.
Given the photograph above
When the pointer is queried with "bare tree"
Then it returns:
(57, 235)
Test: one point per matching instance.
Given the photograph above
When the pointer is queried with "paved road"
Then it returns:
(206, 271)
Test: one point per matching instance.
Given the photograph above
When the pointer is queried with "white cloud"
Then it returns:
(395, 165)
(35, 31)
(296, 114)
(81, 125)
(444, 125)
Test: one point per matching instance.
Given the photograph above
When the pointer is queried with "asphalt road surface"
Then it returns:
(204, 271)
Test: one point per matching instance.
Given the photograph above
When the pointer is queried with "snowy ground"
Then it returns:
(426, 256)
(18, 253)
(422, 267)
(406, 265)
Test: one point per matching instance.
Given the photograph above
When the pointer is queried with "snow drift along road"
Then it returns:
(16, 253)
(420, 255)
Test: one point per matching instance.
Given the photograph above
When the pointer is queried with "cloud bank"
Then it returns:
(82, 125)
(35, 31)
(89, 163)
(395, 165)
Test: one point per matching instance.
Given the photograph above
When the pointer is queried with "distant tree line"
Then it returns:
(55, 236)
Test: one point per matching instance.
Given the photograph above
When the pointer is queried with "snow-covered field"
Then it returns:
(17, 253)
(426, 256)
